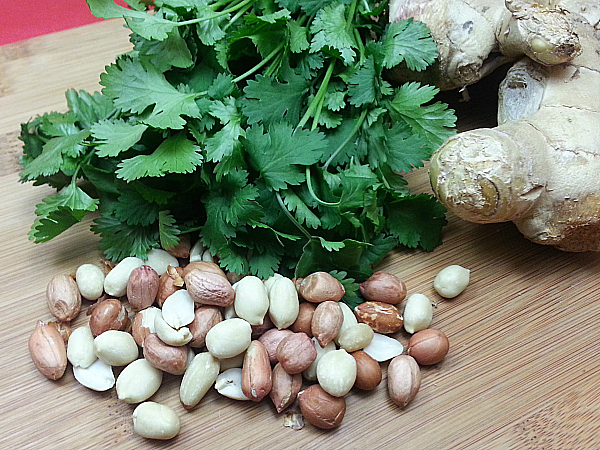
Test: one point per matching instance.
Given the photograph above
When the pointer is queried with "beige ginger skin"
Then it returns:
(540, 166)
(475, 37)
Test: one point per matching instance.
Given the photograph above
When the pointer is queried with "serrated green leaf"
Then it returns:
(176, 154)
(115, 136)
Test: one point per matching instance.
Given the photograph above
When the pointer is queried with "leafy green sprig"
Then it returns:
(266, 128)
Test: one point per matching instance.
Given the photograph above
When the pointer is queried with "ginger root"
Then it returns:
(540, 166)
(475, 37)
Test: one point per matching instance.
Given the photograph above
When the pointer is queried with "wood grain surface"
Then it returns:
(523, 367)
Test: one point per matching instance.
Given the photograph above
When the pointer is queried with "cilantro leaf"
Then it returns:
(116, 136)
(416, 220)
(176, 154)
(330, 30)
(408, 41)
(435, 122)
(284, 99)
(119, 240)
(167, 230)
(60, 211)
(280, 153)
(53, 155)
(133, 87)
(298, 37)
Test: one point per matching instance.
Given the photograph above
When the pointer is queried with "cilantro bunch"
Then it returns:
(266, 128)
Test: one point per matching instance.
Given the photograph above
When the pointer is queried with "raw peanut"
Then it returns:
(296, 353)
(326, 322)
(304, 319)
(233, 277)
(196, 251)
(285, 388)
(251, 300)
(404, 379)
(349, 319)
(259, 330)
(48, 351)
(272, 279)
(160, 260)
(310, 373)
(170, 335)
(64, 328)
(143, 324)
(418, 313)
(178, 309)
(108, 315)
(115, 282)
(205, 266)
(428, 346)
(90, 281)
(63, 297)
(368, 371)
(229, 384)
(383, 287)
(80, 347)
(383, 348)
(138, 381)
(236, 361)
(271, 339)
(283, 302)
(356, 337)
(208, 288)
(142, 287)
(229, 312)
(336, 372)
(166, 287)
(152, 420)
(200, 375)
(229, 338)
(256, 372)
(451, 280)
(320, 287)
(183, 247)
(168, 358)
(116, 348)
(98, 376)
(205, 317)
(320, 408)
(382, 317)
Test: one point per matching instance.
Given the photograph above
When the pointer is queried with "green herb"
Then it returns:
(266, 128)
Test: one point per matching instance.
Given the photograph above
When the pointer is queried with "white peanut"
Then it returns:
(283, 302)
(115, 282)
(138, 381)
(90, 281)
(155, 421)
(251, 299)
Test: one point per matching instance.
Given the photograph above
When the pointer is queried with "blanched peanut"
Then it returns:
(451, 281)
(155, 421)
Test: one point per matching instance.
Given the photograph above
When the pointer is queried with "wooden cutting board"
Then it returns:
(522, 372)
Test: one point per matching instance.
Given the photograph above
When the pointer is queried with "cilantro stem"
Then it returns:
(215, 15)
(318, 96)
(239, 14)
(351, 12)
(260, 64)
(292, 218)
(313, 194)
(355, 129)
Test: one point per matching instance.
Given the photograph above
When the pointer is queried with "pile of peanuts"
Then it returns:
(291, 341)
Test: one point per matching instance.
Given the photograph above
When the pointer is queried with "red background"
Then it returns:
(24, 19)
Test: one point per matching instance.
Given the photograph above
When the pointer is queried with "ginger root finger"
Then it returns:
(539, 168)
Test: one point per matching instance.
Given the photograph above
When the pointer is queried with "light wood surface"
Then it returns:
(523, 368)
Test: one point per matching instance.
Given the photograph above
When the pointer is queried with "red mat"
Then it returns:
(24, 19)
